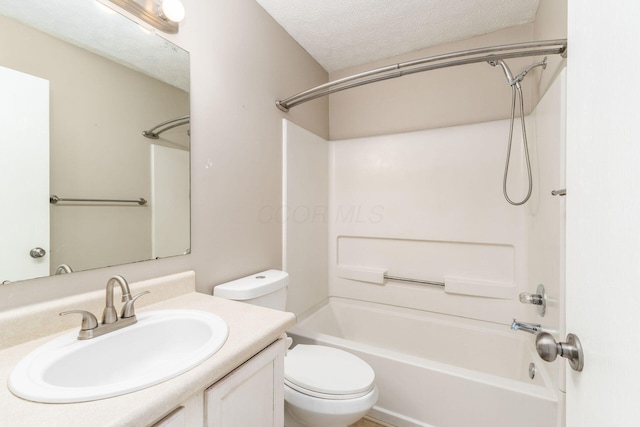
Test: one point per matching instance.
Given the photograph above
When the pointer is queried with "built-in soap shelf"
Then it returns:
(478, 269)
(451, 285)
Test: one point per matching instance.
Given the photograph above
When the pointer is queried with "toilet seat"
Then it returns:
(327, 373)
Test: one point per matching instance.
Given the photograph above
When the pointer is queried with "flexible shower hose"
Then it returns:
(524, 142)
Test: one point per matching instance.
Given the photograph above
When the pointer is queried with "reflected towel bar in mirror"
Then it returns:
(55, 199)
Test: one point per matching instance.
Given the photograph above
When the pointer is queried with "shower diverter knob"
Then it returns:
(539, 299)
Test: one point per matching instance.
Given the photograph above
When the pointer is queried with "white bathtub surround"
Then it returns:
(429, 366)
(546, 217)
(428, 205)
(251, 330)
(304, 216)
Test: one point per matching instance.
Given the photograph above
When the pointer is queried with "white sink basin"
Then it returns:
(160, 346)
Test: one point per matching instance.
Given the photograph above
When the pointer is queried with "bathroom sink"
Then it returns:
(161, 345)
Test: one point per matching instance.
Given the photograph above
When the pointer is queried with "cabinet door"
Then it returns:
(252, 395)
(189, 414)
(174, 419)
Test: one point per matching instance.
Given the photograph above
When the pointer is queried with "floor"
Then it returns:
(370, 422)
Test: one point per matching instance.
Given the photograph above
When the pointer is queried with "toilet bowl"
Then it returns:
(324, 386)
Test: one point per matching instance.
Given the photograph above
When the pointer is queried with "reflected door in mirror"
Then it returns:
(24, 185)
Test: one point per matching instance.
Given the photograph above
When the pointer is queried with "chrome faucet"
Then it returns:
(110, 322)
(109, 315)
(532, 328)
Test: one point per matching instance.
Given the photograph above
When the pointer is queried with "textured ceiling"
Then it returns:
(91, 26)
(344, 33)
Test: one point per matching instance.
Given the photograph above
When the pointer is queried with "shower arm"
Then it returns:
(515, 81)
(507, 71)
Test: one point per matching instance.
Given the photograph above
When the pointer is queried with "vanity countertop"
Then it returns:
(251, 329)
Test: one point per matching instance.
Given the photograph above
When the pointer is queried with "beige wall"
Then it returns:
(453, 96)
(241, 62)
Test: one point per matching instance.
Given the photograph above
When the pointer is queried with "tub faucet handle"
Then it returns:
(538, 299)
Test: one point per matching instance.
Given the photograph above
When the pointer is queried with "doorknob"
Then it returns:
(37, 253)
(549, 349)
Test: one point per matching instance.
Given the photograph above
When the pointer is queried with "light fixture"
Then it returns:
(161, 14)
(172, 10)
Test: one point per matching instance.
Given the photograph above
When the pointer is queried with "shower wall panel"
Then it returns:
(304, 212)
(428, 205)
(440, 188)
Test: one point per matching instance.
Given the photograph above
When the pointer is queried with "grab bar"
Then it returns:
(55, 199)
(450, 285)
(405, 279)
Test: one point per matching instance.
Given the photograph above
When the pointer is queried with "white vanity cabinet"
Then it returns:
(177, 418)
(250, 396)
(189, 414)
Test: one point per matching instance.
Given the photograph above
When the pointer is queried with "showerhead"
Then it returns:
(542, 64)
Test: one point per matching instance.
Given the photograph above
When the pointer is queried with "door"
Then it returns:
(24, 175)
(603, 212)
(170, 214)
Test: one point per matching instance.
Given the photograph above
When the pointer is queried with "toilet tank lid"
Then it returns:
(253, 286)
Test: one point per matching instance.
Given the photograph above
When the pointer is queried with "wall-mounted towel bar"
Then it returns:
(55, 199)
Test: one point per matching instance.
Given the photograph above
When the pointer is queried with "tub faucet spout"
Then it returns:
(531, 328)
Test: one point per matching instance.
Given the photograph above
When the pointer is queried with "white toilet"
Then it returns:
(323, 386)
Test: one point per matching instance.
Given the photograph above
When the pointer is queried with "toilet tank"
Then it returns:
(266, 289)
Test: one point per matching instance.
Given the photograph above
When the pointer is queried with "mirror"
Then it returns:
(80, 84)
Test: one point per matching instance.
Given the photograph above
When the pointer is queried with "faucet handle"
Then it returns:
(128, 309)
(89, 321)
(539, 299)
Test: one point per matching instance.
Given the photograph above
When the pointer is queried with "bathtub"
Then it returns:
(438, 370)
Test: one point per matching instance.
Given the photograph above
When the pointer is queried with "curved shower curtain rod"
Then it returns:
(471, 56)
(154, 132)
